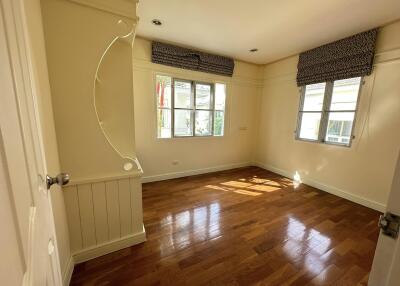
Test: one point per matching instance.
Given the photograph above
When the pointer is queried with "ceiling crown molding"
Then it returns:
(126, 8)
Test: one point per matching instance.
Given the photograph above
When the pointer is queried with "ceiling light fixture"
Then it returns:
(253, 50)
(156, 22)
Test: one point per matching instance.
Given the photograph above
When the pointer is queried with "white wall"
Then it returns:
(362, 173)
(235, 148)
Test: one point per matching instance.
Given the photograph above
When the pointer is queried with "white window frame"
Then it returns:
(323, 127)
(193, 108)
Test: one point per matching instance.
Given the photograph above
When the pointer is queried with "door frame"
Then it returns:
(21, 133)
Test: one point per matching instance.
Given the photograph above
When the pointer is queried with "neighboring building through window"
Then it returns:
(188, 108)
(327, 111)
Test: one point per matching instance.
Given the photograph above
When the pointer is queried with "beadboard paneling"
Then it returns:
(137, 211)
(112, 196)
(100, 213)
(73, 217)
(85, 201)
(124, 195)
(103, 212)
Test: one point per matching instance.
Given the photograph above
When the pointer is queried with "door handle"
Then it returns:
(61, 180)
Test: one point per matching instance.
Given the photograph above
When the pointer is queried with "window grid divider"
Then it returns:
(325, 114)
(172, 107)
(212, 104)
(299, 113)
(193, 94)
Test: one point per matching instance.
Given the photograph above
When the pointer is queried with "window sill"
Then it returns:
(178, 138)
(325, 142)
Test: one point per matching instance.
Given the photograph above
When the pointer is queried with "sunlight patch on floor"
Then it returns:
(217, 188)
(249, 193)
(236, 184)
(253, 186)
(264, 188)
(258, 180)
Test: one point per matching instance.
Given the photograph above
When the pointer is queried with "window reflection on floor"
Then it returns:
(190, 226)
(203, 223)
(305, 246)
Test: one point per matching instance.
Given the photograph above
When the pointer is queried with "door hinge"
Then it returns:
(390, 224)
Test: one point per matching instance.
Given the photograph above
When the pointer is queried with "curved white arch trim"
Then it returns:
(130, 36)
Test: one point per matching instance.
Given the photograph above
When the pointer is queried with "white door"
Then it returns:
(386, 266)
(23, 150)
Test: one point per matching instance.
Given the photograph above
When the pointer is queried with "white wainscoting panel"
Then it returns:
(104, 216)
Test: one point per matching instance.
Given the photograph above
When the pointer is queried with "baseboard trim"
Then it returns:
(69, 268)
(108, 247)
(167, 176)
(329, 189)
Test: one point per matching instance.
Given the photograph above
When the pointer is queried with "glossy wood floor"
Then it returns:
(245, 226)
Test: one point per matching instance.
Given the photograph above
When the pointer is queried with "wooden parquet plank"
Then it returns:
(244, 226)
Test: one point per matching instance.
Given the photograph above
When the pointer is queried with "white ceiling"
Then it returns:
(278, 28)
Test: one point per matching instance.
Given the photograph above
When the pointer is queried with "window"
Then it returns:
(188, 108)
(327, 111)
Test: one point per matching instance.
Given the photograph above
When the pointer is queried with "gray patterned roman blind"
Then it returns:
(346, 58)
(171, 55)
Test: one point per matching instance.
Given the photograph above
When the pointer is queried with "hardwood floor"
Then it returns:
(242, 227)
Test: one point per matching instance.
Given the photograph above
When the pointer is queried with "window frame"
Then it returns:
(325, 112)
(173, 108)
(193, 108)
(212, 110)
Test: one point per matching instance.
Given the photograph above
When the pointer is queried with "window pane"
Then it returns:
(339, 127)
(314, 97)
(183, 94)
(310, 126)
(183, 123)
(203, 123)
(219, 123)
(163, 90)
(164, 123)
(220, 96)
(203, 96)
(345, 93)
